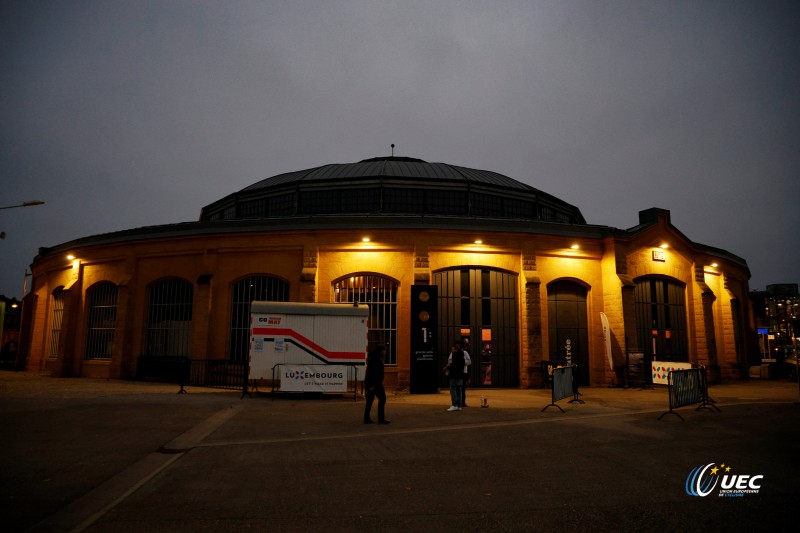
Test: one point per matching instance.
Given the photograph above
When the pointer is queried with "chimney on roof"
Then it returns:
(653, 215)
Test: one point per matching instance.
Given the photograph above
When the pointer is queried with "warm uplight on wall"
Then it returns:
(478, 241)
(575, 247)
(364, 239)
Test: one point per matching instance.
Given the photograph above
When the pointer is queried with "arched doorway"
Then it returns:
(479, 305)
(567, 326)
(661, 318)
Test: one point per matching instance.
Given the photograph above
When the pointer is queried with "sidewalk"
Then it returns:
(83, 454)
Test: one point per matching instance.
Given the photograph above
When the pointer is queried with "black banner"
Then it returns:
(424, 324)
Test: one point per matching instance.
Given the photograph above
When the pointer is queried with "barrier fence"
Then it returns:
(637, 370)
(564, 385)
(184, 371)
(217, 374)
(688, 386)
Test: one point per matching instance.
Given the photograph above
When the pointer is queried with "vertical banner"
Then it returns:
(424, 324)
(607, 339)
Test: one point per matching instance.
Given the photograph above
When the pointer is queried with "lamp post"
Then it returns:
(27, 203)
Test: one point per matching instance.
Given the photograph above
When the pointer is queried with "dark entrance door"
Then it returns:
(567, 326)
(480, 305)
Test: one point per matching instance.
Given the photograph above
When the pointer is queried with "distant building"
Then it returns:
(518, 272)
(777, 316)
(9, 331)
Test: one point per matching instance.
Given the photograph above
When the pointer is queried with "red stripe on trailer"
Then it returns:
(285, 332)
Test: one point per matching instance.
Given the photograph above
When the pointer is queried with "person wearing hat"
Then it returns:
(373, 383)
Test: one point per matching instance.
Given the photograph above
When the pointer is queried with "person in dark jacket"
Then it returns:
(373, 383)
(455, 370)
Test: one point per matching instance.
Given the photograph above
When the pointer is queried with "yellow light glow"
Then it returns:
(714, 265)
(364, 239)
(71, 257)
(575, 247)
(664, 246)
(478, 241)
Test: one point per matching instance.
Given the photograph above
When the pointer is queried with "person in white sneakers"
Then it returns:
(455, 370)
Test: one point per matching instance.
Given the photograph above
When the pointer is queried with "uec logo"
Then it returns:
(702, 481)
(699, 483)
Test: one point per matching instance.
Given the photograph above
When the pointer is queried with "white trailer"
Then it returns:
(307, 335)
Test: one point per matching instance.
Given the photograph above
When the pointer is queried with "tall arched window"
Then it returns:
(380, 293)
(56, 319)
(102, 320)
(169, 318)
(245, 291)
(661, 318)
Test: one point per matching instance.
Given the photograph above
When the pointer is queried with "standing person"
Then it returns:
(467, 363)
(455, 369)
(373, 383)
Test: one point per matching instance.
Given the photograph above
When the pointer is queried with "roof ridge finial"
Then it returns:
(392, 149)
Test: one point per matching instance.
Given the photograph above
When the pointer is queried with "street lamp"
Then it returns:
(28, 203)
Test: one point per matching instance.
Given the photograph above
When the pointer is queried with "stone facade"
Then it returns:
(605, 262)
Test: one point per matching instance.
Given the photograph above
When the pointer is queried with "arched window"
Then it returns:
(57, 318)
(380, 294)
(102, 320)
(169, 318)
(245, 291)
(661, 318)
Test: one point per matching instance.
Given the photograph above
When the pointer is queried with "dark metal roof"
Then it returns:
(392, 167)
(392, 185)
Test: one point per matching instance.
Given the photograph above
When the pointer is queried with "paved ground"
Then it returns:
(97, 455)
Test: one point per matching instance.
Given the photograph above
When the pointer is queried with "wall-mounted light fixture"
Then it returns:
(576, 247)
(364, 239)
(663, 246)
(70, 257)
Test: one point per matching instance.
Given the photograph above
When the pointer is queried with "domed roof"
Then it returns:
(392, 186)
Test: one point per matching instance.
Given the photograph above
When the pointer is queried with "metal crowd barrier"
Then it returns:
(217, 374)
(637, 370)
(184, 371)
(564, 385)
(688, 387)
(164, 368)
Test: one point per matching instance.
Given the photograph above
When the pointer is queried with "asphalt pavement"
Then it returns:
(102, 455)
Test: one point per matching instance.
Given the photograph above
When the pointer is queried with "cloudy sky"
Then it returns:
(122, 114)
